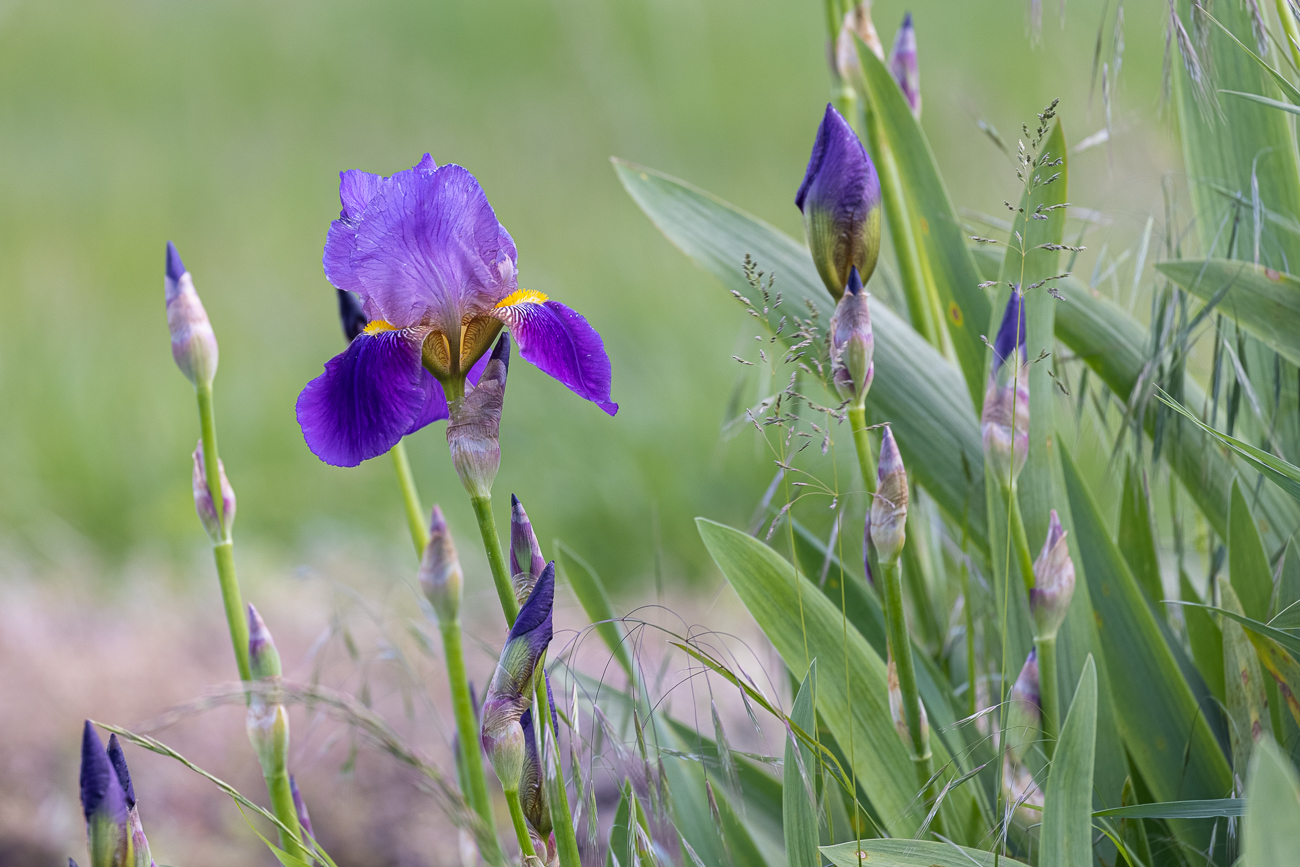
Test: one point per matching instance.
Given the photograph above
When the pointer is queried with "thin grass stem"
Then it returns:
(1019, 540)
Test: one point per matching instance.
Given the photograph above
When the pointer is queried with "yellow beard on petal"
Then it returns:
(521, 296)
(376, 326)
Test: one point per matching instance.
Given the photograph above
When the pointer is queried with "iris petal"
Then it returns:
(368, 398)
(561, 343)
(430, 249)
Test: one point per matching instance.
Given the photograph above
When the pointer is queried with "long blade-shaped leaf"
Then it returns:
(1265, 302)
(941, 240)
(803, 625)
(1247, 560)
(915, 389)
(1067, 810)
(1211, 809)
(908, 853)
(1246, 696)
(799, 816)
(1270, 834)
(1158, 714)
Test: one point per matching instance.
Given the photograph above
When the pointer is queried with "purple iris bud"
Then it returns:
(1024, 713)
(852, 343)
(268, 720)
(526, 559)
(351, 316)
(194, 345)
(889, 504)
(903, 64)
(263, 658)
(857, 23)
(532, 786)
(103, 802)
(436, 275)
(840, 201)
(511, 690)
(474, 431)
(118, 760)
(218, 527)
(300, 807)
(1049, 598)
(440, 573)
(1004, 420)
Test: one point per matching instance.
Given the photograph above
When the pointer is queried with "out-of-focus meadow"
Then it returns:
(222, 127)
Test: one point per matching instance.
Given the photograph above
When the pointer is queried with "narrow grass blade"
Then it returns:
(799, 818)
(1163, 728)
(1270, 833)
(941, 241)
(590, 590)
(1067, 812)
(1206, 640)
(1247, 561)
(1210, 809)
(1136, 536)
(803, 625)
(1265, 302)
(908, 853)
(915, 388)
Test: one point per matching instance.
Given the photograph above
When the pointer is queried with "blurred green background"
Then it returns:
(222, 126)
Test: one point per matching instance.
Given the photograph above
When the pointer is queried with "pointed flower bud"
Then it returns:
(139, 843)
(263, 658)
(852, 343)
(1023, 794)
(896, 706)
(511, 690)
(440, 573)
(1024, 714)
(103, 802)
(903, 64)
(526, 559)
(300, 807)
(889, 505)
(1004, 420)
(194, 345)
(857, 23)
(118, 761)
(1049, 599)
(351, 316)
(532, 783)
(218, 528)
(840, 201)
(474, 430)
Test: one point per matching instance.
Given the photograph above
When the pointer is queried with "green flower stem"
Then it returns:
(917, 295)
(566, 841)
(900, 645)
(468, 735)
(277, 784)
(862, 440)
(487, 526)
(1048, 691)
(1019, 540)
(521, 826)
(972, 705)
(411, 498)
(1292, 31)
(223, 552)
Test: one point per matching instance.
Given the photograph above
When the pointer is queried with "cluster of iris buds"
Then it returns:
(113, 830)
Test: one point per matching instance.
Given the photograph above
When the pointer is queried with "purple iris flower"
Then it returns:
(437, 278)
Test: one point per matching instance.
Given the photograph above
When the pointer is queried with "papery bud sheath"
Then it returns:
(1049, 599)
(474, 429)
(218, 529)
(889, 505)
(852, 343)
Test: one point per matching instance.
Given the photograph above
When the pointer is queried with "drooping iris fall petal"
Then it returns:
(559, 342)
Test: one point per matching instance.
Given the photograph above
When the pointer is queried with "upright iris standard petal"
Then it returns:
(840, 201)
(351, 316)
(1004, 419)
(903, 64)
(560, 343)
(430, 248)
(368, 398)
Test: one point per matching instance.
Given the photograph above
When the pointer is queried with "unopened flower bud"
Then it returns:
(268, 731)
(852, 343)
(896, 706)
(474, 429)
(840, 201)
(139, 843)
(903, 64)
(440, 573)
(532, 782)
(1004, 420)
(511, 690)
(194, 345)
(351, 316)
(103, 802)
(218, 527)
(1024, 711)
(1022, 793)
(1049, 599)
(889, 505)
(857, 23)
(263, 658)
(300, 807)
(526, 558)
